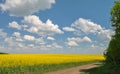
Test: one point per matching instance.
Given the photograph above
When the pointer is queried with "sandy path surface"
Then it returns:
(75, 70)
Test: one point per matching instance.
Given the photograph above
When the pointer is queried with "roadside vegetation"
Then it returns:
(104, 69)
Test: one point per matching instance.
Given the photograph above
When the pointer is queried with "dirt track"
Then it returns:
(75, 70)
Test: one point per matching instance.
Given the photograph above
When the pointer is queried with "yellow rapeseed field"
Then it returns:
(29, 63)
(13, 60)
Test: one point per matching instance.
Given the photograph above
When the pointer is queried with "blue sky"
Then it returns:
(55, 26)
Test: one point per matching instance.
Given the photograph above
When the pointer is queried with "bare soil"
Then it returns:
(75, 70)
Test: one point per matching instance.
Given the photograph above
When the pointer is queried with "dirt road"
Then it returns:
(75, 70)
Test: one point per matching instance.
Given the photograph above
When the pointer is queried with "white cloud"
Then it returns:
(31, 45)
(33, 30)
(19, 40)
(105, 34)
(10, 42)
(39, 27)
(98, 47)
(32, 20)
(50, 38)
(40, 41)
(2, 34)
(85, 26)
(20, 45)
(54, 45)
(79, 40)
(75, 41)
(33, 24)
(92, 45)
(16, 34)
(47, 29)
(14, 25)
(57, 46)
(25, 7)
(51, 27)
(87, 39)
(29, 37)
(70, 29)
(72, 43)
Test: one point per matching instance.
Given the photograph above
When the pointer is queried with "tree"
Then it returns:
(113, 50)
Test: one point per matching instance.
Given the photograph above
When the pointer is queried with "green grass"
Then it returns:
(104, 69)
(55, 67)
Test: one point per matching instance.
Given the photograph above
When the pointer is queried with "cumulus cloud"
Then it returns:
(31, 45)
(92, 45)
(25, 7)
(87, 39)
(40, 41)
(10, 42)
(72, 43)
(46, 30)
(98, 46)
(33, 24)
(50, 38)
(70, 29)
(16, 34)
(15, 25)
(75, 41)
(32, 20)
(54, 45)
(85, 26)
(105, 34)
(29, 37)
(26, 42)
(33, 29)
(39, 27)
(2, 34)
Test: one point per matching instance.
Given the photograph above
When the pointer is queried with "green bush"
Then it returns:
(113, 51)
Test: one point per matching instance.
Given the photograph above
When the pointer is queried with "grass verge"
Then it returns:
(54, 67)
(104, 69)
